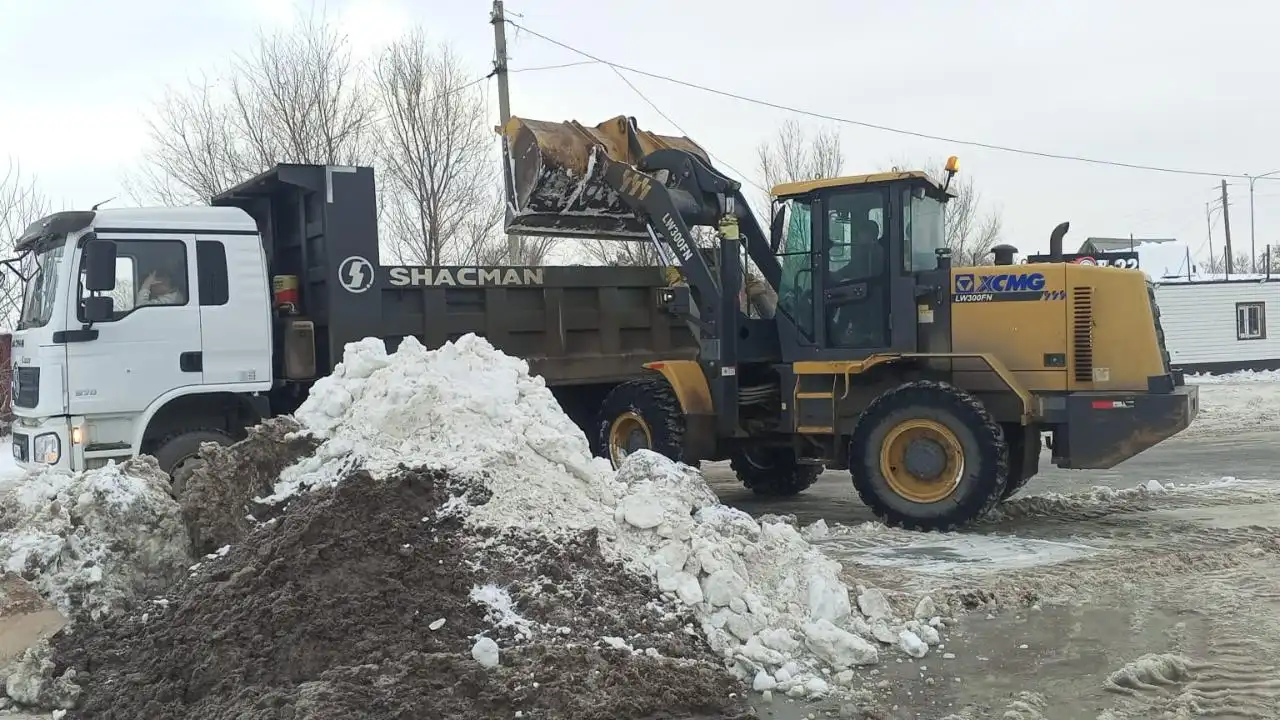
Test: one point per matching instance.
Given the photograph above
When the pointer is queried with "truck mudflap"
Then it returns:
(1104, 429)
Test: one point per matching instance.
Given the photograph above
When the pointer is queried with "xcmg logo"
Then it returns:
(1002, 287)
(1000, 283)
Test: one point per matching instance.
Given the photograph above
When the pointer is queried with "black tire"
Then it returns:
(650, 407)
(981, 457)
(179, 454)
(773, 471)
(1018, 474)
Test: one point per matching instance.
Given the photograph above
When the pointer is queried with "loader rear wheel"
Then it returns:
(928, 456)
(641, 414)
(773, 471)
(1019, 473)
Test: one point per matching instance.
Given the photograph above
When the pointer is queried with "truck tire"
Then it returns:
(179, 454)
(772, 471)
(1018, 474)
(928, 456)
(641, 414)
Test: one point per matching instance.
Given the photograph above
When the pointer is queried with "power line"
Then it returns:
(555, 67)
(682, 130)
(884, 128)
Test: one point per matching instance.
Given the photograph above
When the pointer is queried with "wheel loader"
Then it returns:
(932, 384)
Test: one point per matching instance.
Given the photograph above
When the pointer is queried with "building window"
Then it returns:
(1251, 321)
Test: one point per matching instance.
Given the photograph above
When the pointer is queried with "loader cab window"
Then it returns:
(856, 287)
(795, 288)
(923, 229)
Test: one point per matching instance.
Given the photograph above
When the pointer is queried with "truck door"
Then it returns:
(235, 312)
(151, 345)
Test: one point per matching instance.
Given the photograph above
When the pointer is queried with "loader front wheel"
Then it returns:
(641, 414)
(928, 456)
(773, 471)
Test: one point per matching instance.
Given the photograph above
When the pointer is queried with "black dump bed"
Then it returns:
(576, 325)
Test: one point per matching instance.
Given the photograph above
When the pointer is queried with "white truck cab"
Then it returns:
(141, 330)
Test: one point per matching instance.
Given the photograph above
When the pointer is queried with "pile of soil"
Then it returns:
(218, 493)
(327, 612)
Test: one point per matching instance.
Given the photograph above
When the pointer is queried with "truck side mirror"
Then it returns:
(99, 267)
(99, 308)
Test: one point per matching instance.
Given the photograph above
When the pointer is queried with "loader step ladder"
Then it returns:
(815, 404)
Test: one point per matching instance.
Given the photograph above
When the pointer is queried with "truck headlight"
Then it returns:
(47, 449)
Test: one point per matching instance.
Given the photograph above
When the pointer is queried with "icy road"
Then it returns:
(1151, 590)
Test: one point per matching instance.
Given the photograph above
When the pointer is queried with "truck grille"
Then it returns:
(1155, 317)
(26, 386)
(1082, 333)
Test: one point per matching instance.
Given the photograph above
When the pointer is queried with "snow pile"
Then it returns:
(1236, 378)
(1160, 260)
(91, 541)
(766, 600)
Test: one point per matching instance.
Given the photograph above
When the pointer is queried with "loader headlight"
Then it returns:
(47, 448)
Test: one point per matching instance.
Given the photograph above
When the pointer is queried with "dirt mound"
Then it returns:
(366, 599)
(217, 494)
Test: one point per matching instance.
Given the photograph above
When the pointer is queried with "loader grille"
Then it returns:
(1082, 333)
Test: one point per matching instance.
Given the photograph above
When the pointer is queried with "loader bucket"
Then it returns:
(555, 182)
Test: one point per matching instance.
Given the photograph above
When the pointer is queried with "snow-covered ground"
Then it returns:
(1236, 402)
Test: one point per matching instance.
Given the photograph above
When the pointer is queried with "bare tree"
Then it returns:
(298, 97)
(438, 156)
(21, 203)
(1240, 264)
(793, 156)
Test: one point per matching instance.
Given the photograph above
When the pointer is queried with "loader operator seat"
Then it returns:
(855, 288)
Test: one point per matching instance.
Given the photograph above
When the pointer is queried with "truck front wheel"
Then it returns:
(773, 471)
(928, 456)
(179, 454)
(641, 414)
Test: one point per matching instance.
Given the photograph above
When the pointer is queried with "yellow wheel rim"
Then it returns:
(628, 433)
(932, 478)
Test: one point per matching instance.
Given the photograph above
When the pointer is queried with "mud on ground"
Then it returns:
(220, 489)
(327, 612)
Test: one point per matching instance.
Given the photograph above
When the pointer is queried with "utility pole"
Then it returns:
(1226, 226)
(1208, 221)
(498, 19)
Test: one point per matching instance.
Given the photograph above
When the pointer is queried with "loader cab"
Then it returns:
(859, 259)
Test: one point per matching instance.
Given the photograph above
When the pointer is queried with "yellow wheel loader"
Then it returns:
(931, 384)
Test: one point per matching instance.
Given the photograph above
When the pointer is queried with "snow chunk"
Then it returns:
(912, 645)
(502, 609)
(93, 540)
(485, 652)
(839, 648)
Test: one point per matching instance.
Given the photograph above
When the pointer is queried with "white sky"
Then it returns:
(1172, 83)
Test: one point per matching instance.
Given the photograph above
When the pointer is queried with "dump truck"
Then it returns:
(262, 290)
(931, 384)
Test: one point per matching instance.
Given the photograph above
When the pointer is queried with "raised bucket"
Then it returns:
(554, 182)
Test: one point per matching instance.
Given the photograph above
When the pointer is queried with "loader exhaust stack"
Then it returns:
(554, 176)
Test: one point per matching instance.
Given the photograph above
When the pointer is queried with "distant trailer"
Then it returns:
(1221, 325)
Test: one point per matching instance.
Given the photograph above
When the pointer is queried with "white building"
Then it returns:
(1212, 323)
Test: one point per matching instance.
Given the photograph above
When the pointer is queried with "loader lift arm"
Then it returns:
(631, 185)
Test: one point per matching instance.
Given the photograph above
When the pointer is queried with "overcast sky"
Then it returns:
(1171, 83)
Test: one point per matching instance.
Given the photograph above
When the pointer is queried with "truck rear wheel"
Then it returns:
(928, 456)
(772, 471)
(641, 414)
(179, 454)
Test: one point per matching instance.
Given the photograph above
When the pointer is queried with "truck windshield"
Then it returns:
(41, 270)
(925, 232)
